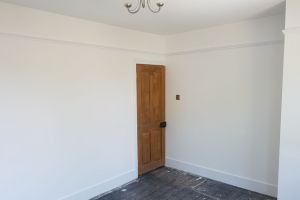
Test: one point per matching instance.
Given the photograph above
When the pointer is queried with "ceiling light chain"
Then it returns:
(142, 3)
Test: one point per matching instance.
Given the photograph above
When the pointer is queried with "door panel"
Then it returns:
(155, 91)
(145, 116)
(156, 145)
(146, 148)
(151, 111)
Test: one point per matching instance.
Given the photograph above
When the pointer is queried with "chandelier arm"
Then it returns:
(152, 9)
(136, 9)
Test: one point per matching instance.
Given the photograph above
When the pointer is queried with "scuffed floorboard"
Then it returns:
(171, 184)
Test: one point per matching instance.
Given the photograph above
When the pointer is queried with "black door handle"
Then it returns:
(163, 124)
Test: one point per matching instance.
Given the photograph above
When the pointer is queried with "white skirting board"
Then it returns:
(102, 187)
(242, 182)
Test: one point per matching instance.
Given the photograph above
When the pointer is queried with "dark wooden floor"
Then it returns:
(166, 183)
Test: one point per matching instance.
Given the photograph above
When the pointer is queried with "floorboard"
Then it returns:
(170, 184)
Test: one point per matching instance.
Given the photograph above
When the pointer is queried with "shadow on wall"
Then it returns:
(275, 10)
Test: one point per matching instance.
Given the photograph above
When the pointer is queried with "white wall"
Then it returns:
(67, 101)
(292, 14)
(68, 110)
(289, 173)
(226, 127)
(39, 24)
(254, 32)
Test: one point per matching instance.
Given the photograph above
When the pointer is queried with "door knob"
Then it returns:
(163, 124)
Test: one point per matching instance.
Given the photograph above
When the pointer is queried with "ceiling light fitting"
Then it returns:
(142, 3)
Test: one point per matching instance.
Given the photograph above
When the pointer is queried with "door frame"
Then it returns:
(139, 156)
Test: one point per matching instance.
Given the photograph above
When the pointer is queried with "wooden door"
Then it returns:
(151, 114)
